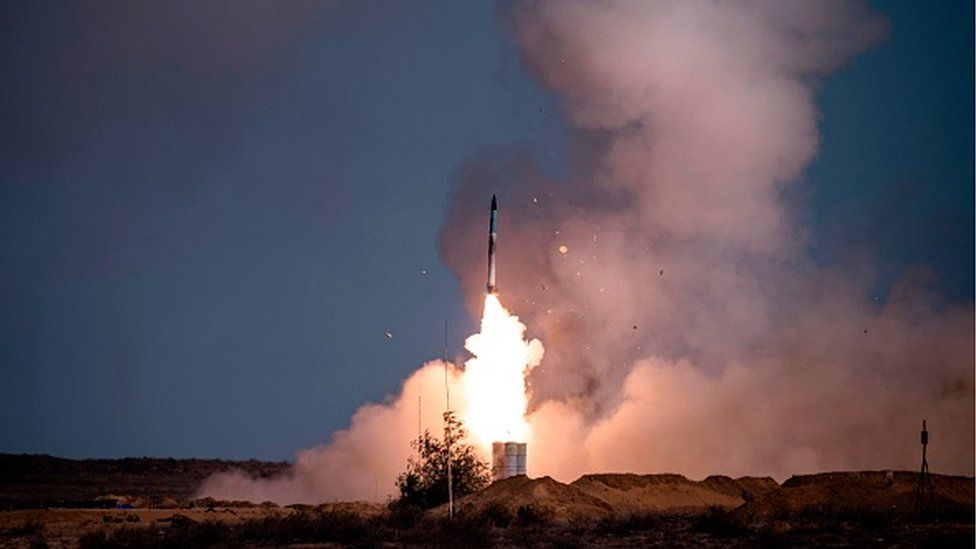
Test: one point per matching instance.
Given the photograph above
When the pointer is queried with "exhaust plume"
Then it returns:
(494, 379)
(362, 461)
(686, 329)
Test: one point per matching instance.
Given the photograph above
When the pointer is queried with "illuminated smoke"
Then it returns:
(363, 461)
(686, 329)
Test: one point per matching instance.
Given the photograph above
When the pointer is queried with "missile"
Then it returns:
(492, 235)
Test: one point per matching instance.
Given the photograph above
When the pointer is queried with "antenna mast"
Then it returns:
(447, 437)
(924, 491)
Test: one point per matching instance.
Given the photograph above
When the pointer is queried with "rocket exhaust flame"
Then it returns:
(494, 379)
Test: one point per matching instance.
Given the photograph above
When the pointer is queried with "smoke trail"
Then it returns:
(685, 328)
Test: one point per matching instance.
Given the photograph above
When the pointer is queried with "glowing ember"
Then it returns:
(494, 379)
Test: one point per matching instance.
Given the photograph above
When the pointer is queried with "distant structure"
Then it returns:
(507, 459)
(923, 490)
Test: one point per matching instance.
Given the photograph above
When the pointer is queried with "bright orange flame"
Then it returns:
(494, 379)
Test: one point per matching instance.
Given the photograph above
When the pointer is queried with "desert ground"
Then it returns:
(53, 502)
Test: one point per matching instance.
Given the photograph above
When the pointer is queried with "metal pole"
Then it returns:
(447, 440)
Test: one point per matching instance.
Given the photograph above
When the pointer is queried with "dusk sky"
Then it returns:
(212, 213)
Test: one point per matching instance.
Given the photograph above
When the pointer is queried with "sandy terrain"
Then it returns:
(841, 509)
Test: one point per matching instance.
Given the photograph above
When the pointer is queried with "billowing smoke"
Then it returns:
(685, 327)
(361, 462)
(489, 394)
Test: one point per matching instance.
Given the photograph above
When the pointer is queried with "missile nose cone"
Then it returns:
(494, 203)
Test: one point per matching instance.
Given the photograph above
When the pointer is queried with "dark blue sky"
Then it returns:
(210, 216)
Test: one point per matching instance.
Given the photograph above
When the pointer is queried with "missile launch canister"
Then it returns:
(492, 235)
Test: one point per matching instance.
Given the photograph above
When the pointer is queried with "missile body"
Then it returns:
(492, 235)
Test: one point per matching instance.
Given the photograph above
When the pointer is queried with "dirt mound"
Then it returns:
(865, 494)
(669, 493)
(745, 488)
(605, 495)
(540, 497)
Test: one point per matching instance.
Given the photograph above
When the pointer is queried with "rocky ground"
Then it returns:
(841, 509)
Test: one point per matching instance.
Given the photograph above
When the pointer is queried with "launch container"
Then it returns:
(507, 459)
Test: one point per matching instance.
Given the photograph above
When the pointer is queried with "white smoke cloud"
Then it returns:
(685, 328)
(361, 462)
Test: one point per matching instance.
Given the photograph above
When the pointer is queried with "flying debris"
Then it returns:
(387, 335)
(492, 235)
